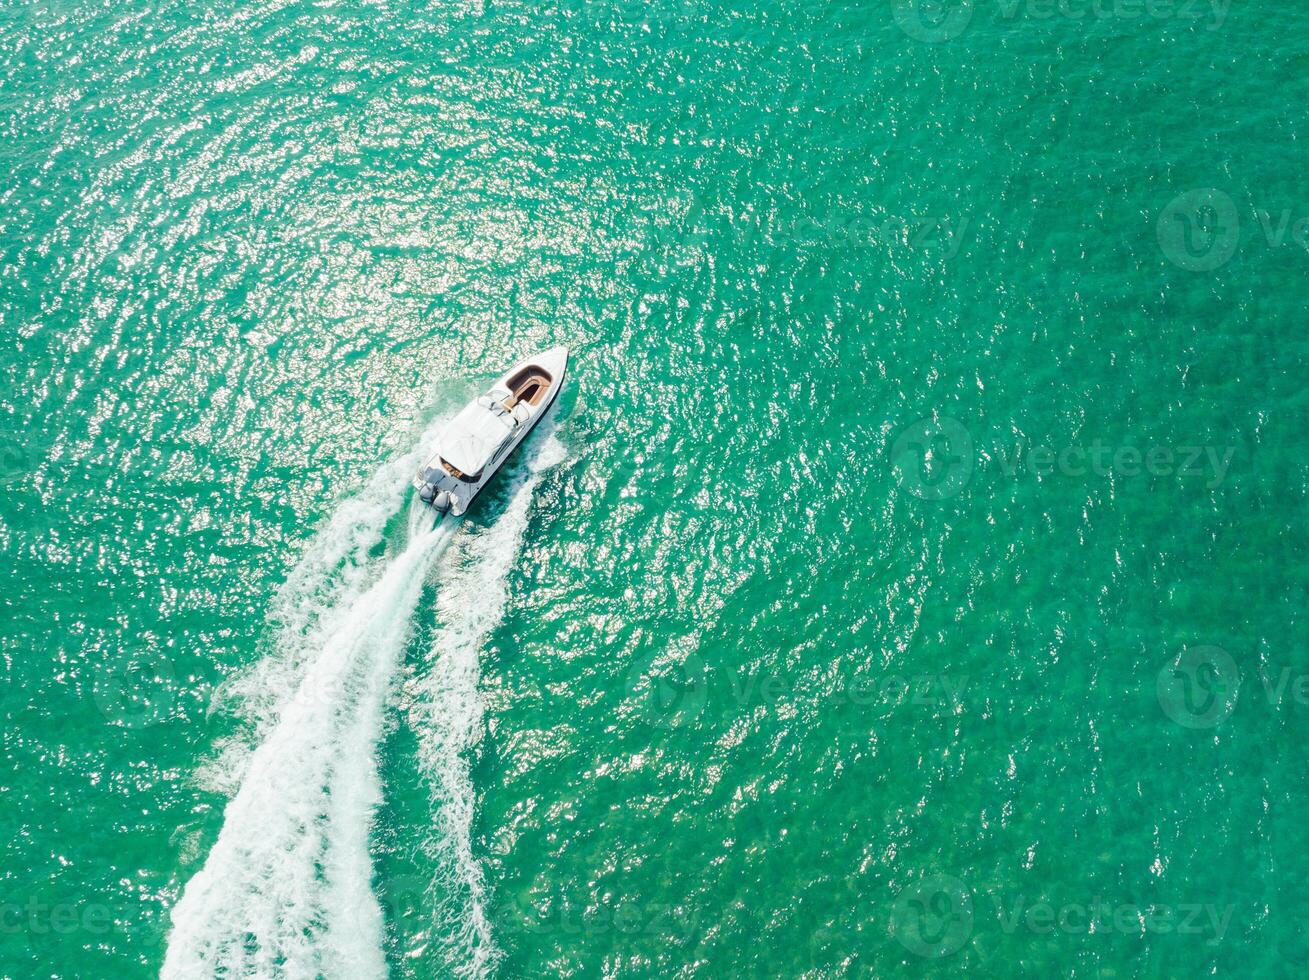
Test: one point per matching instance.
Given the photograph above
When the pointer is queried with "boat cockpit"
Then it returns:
(528, 386)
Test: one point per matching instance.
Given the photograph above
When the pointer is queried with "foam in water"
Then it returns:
(447, 711)
(319, 591)
(286, 889)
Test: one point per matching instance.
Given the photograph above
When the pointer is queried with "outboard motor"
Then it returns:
(430, 494)
(437, 499)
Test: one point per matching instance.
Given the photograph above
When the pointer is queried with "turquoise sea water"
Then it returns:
(911, 581)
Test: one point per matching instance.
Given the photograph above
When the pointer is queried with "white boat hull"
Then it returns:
(489, 430)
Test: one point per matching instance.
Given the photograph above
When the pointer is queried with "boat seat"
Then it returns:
(521, 412)
(499, 398)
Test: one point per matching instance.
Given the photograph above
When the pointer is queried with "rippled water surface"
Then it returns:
(912, 577)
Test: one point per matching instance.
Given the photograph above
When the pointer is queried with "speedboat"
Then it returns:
(488, 429)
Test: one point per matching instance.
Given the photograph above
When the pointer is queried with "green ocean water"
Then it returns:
(912, 578)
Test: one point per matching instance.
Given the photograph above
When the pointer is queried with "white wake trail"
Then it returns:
(319, 592)
(447, 711)
(285, 891)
